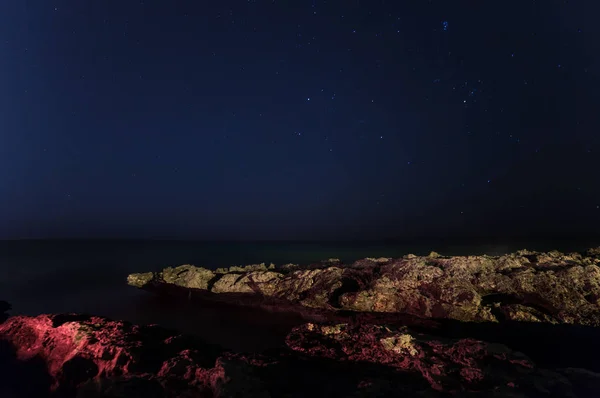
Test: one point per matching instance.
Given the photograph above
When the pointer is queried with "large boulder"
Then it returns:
(525, 286)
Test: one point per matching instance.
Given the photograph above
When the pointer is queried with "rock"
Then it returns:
(288, 267)
(525, 286)
(594, 252)
(379, 260)
(247, 268)
(140, 280)
(4, 308)
(87, 356)
(102, 356)
(450, 366)
(585, 383)
(188, 276)
(248, 282)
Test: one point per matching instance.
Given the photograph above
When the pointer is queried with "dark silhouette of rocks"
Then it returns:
(85, 356)
(4, 308)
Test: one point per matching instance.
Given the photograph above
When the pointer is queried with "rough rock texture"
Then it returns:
(447, 365)
(526, 286)
(77, 348)
(85, 356)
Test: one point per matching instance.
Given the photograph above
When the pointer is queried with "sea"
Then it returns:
(89, 276)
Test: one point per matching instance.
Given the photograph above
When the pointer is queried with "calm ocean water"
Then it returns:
(90, 277)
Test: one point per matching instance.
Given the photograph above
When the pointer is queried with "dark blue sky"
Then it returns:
(299, 119)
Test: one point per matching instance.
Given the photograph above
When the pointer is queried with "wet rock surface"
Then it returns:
(75, 355)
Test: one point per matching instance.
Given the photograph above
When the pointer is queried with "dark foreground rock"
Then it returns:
(554, 287)
(4, 308)
(85, 356)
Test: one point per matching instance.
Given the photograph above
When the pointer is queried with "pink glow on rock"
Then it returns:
(79, 348)
(83, 352)
(447, 365)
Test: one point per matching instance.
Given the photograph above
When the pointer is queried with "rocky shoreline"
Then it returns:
(526, 286)
(525, 324)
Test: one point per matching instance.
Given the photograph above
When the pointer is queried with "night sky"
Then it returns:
(305, 120)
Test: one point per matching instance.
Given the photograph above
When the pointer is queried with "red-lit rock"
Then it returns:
(86, 356)
(447, 365)
(79, 348)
